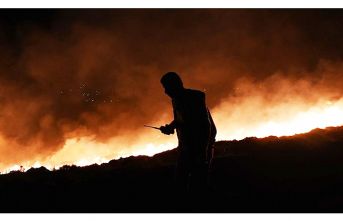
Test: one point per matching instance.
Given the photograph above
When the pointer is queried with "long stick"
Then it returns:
(157, 128)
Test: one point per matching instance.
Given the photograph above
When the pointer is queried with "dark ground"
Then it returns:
(302, 173)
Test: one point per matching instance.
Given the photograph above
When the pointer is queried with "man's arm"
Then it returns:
(168, 128)
(172, 124)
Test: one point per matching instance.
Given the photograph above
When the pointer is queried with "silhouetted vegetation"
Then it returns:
(301, 173)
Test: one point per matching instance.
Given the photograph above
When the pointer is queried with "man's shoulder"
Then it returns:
(193, 92)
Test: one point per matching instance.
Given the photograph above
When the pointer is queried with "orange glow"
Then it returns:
(85, 151)
(77, 91)
(282, 120)
(232, 123)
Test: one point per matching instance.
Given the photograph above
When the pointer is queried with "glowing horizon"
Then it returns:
(83, 151)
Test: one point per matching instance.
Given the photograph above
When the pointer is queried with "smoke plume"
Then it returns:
(91, 77)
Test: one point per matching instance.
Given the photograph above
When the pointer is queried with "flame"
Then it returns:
(238, 122)
(83, 151)
(283, 120)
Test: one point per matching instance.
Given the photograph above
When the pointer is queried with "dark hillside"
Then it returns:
(301, 173)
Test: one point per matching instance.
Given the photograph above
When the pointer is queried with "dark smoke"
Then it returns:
(69, 73)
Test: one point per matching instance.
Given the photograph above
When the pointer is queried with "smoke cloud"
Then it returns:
(66, 74)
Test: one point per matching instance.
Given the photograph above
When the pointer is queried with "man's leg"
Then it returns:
(182, 172)
(198, 177)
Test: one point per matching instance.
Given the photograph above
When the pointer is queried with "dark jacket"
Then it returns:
(193, 122)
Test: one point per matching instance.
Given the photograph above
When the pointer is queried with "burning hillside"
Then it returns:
(77, 86)
(301, 173)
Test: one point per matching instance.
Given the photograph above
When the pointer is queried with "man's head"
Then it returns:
(172, 84)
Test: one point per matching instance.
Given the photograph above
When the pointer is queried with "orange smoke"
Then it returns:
(280, 107)
(76, 87)
(250, 111)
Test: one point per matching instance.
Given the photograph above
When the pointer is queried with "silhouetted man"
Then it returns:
(196, 133)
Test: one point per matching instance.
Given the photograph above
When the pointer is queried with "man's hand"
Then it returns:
(167, 129)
